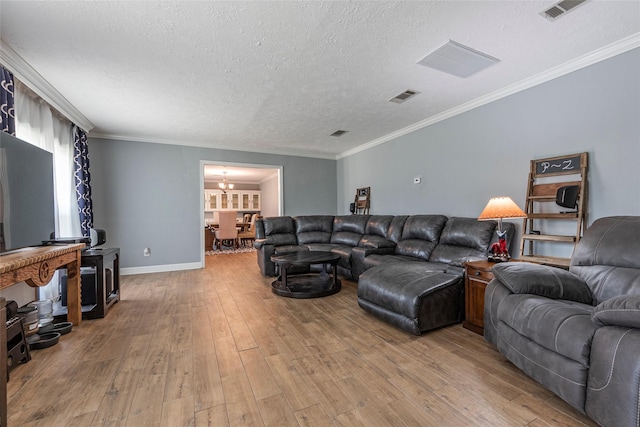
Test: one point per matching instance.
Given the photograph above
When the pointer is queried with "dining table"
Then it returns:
(240, 224)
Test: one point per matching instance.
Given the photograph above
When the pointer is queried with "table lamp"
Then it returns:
(499, 208)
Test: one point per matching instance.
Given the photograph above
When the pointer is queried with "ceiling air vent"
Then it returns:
(458, 59)
(339, 133)
(399, 99)
(560, 8)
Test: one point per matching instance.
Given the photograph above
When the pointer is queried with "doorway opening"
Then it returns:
(245, 188)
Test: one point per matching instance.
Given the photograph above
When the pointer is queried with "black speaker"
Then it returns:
(88, 286)
(352, 208)
(567, 196)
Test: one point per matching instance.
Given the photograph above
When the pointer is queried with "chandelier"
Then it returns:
(224, 185)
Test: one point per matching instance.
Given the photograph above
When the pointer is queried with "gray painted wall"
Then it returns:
(269, 196)
(148, 195)
(467, 159)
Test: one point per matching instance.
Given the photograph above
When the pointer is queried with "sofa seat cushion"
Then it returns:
(564, 327)
(343, 250)
(376, 259)
(411, 295)
(285, 249)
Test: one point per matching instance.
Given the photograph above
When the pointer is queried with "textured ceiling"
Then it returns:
(282, 76)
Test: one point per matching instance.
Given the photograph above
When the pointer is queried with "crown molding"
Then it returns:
(30, 77)
(606, 52)
(200, 144)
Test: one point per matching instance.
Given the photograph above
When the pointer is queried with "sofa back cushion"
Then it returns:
(396, 227)
(278, 231)
(420, 235)
(608, 257)
(376, 232)
(313, 228)
(348, 229)
(462, 239)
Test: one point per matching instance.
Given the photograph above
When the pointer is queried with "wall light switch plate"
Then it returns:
(417, 180)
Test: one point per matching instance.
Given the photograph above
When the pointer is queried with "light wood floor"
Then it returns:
(215, 347)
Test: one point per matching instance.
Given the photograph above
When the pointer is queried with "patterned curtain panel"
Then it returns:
(83, 179)
(7, 116)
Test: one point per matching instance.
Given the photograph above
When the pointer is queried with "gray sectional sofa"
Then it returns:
(577, 332)
(409, 268)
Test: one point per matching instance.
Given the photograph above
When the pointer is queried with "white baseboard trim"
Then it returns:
(160, 268)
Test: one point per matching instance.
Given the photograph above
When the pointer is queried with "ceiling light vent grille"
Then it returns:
(560, 8)
(457, 59)
(339, 133)
(399, 99)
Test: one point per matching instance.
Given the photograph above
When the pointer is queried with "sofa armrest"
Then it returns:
(264, 251)
(359, 254)
(623, 311)
(375, 242)
(542, 280)
(613, 383)
(259, 243)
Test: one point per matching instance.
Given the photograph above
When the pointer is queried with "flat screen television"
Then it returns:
(27, 216)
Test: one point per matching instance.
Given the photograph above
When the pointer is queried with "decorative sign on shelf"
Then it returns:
(559, 165)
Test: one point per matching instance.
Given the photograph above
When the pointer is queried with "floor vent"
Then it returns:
(339, 133)
(560, 8)
(399, 99)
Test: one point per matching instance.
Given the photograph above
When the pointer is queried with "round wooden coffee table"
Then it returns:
(312, 285)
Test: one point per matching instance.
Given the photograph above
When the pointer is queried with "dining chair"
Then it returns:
(250, 234)
(226, 230)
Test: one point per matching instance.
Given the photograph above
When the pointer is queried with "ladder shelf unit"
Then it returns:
(549, 179)
(362, 201)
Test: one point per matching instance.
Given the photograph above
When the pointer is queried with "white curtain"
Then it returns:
(38, 125)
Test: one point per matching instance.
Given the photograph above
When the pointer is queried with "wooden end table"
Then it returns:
(477, 275)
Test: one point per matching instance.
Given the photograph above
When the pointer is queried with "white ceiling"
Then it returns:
(282, 76)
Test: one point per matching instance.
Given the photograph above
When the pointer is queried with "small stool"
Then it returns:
(412, 296)
(17, 347)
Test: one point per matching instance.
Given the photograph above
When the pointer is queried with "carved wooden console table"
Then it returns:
(36, 265)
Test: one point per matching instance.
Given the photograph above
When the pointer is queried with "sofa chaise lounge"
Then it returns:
(409, 268)
(577, 332)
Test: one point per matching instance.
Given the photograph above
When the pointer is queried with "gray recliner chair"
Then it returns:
(577, 332)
